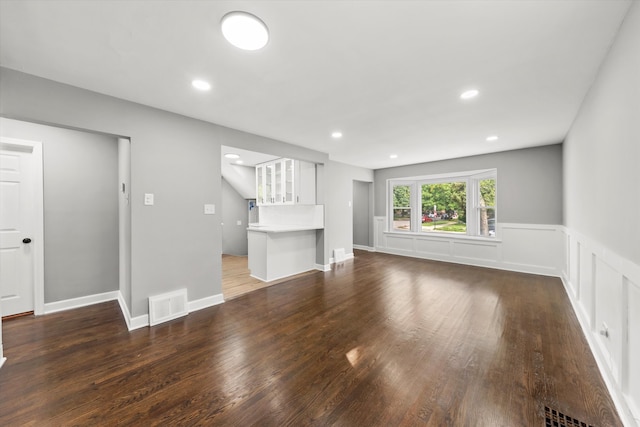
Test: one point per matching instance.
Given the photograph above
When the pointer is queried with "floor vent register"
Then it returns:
(554, 418)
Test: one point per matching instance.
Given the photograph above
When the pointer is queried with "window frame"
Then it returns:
(472, 184)
(412, 189)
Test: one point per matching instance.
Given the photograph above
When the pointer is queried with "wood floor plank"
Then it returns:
(378, 341)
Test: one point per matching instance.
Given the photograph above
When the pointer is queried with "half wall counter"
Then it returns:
(283, 243)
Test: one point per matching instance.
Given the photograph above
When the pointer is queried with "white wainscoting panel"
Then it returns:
(585, 285)
(571, 270)
(432, 247)
(632, 379)
(528, 248)
(400, 243)
(536, 247)
(475, 251)
(604, 289)
(608, 297)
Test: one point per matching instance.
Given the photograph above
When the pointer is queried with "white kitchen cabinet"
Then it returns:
(286, 182)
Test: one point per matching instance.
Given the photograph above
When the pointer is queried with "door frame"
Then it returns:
(35, 148)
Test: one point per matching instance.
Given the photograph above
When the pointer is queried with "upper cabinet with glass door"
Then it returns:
(286, 182)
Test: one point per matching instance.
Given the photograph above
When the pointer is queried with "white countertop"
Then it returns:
(264, 228)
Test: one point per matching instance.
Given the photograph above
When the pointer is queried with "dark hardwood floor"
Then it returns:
(379, 341)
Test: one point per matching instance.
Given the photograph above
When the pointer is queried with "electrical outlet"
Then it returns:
(604, 331)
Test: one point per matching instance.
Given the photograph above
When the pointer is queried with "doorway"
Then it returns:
(81, 214)
(363, 215)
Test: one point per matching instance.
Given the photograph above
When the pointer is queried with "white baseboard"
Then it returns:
(346, 258)
(2, 360)
(364, 248)
(323, 267)
(205, 302)
(132, 322)
(53, 307)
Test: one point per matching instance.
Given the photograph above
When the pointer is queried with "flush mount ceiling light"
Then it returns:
(239, 162)
(393, 156)
(201, 85)
(336, 135)
(469, 94)
(492, 138)
(244, 30)
(231, 156)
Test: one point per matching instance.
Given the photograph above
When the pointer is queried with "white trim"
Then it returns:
(285, 275)
(54, 307)
(364, 248)
(2, 359)
(124, 310)
(138, 322)
(347, 257)
(132, 322)
(323, 267)
(38, 232)
(206, 302)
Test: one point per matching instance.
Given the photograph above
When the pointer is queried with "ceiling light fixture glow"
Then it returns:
(469, 94)
(393, 156)
(239, 162)
(336, 135)
(201, 85)
(244, 30)
(231, 156)
(492, 138)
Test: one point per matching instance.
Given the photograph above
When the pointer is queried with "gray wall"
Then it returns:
(173, 244)
(362, 213)
(529, 182)
(338, 204)
(80, 209)
(602, 151)
(234, 209)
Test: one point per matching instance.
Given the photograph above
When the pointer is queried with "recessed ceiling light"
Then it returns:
(244, 30)
(336, 134)
(469, 94)
(231, 156)
(393, 156)
(492, 138)
(239, 162)
(201, 85)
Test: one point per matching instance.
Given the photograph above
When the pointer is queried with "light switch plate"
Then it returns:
(148, 199)
(209, 209)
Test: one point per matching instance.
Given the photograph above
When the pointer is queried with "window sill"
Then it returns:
(444, 235)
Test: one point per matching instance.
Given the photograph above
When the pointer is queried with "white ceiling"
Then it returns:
(388, 74)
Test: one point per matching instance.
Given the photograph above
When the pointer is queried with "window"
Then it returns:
(401, 207)
(462, 204)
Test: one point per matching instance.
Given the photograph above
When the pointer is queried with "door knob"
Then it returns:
(27, 240)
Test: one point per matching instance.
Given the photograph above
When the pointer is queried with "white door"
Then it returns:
(20, 225)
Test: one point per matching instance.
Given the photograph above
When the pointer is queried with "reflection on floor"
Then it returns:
(236, 280)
